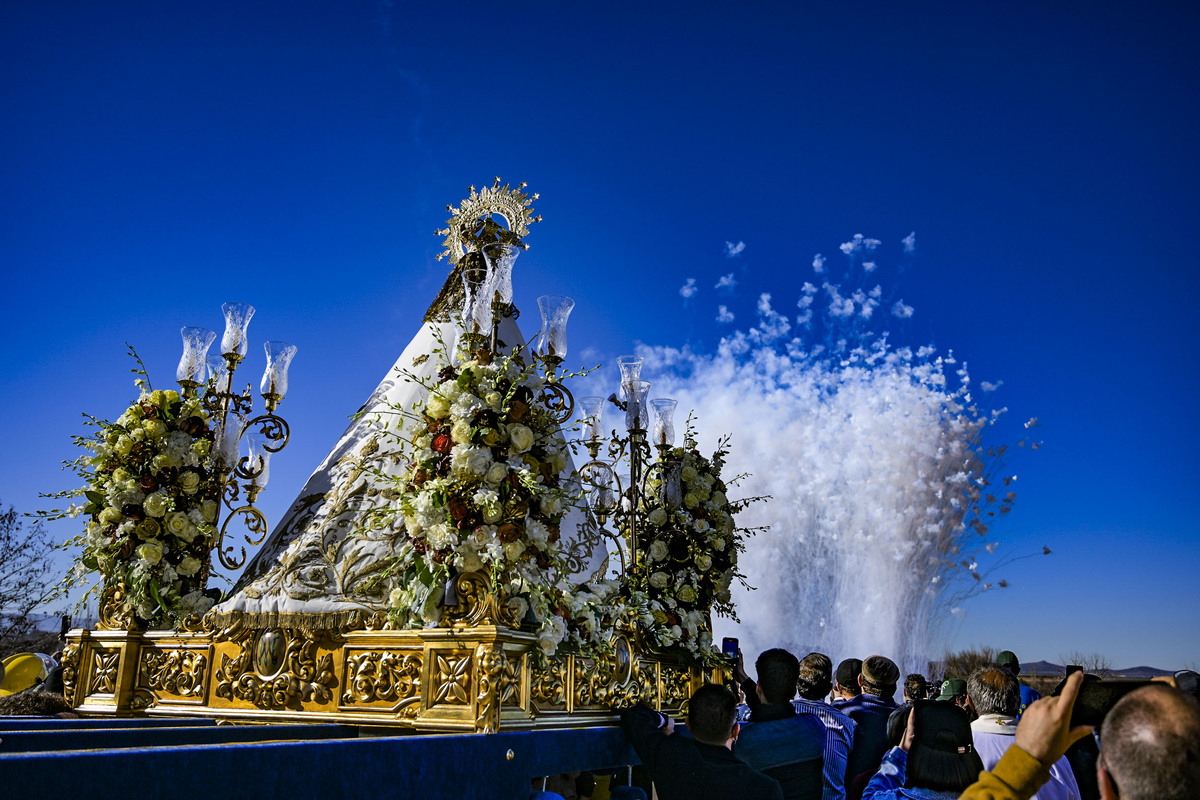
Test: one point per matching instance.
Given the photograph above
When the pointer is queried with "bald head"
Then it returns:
(1150, 745)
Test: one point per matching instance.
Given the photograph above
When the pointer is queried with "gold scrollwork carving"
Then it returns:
(549, 686)
(113, 615)
(70, 673)
(478, 604)
(104, 672)
(177, 672)
(384, 675)
(498, 680)
(676, 686)
(304, 676)
(452, 677)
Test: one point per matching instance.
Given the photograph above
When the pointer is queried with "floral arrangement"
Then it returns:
(151, 502)
(485, 492)
(688, 554)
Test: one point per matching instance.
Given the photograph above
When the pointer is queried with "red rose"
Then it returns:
(148, 483)
(442, 443)
(508, 532)
(458, 509)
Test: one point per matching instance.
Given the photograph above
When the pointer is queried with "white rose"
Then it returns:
(496, 473)
(686, 594)
(196, 602)
(658, 517)
(513, 550)
(551, 505)
(659, 580)
(209, 509)
(521, 438)
(154, 428)
(110, 516)
(460, 431)
(493, 400)
(155, 504)
(188, 567)
(690, 500)
(703, 562)
(438, 406)
(658, 550)
(150, 551)
(689, 474)
(123, 446)
(701, 525)
(177, 524)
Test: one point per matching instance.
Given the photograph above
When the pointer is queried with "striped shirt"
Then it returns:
(839, 736)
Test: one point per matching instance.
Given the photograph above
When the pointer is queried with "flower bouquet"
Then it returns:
(151, 502)
(485, 492)
(687, 556)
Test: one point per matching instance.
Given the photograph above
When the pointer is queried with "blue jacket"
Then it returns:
(870, 713)
(786, 746)
(888, 783)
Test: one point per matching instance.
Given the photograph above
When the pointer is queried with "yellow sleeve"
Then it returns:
(1017, 776)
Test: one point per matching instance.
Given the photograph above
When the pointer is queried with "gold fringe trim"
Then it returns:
(311, 621)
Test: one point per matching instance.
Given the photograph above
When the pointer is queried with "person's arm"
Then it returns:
(1043, 736)
(647, 730)
(890, 776)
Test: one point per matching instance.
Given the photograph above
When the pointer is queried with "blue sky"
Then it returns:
(160, 159)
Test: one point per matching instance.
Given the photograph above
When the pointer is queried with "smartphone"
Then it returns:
(1097, 697)
(729, 647)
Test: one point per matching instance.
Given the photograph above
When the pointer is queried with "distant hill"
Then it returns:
(1045, 668)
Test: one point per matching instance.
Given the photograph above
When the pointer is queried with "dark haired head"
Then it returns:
(942, 757)
(711, 715)
(916, 687)
(816, 676)
(847, 675)
(777, 671)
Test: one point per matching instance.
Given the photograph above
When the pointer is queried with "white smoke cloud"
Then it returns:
(868, 266)
(859, 244)
(726, 282)
(989, 386)
(910, 242)
(818, 263)
(870, 454)
(899, 309)
(734, 250)
(688, 289)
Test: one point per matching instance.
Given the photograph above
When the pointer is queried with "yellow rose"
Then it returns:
(189, 482)
(150, 552)
(188, 567)
(154, 428)
(209, 511)
(110, 516)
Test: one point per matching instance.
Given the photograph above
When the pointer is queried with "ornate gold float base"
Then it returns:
(469, 679)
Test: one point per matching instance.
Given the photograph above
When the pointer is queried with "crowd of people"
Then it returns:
(805, 730)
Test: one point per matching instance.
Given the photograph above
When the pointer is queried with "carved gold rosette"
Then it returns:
(478, 672)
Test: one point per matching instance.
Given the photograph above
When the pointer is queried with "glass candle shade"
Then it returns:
(193, 367)
(218, 372)
(477, 308)
(237, 320)
(672, 483)
(275, 378)
(636, 409)
(631, 371)
(664, 425)
(500, 258)
(552, 339)
(258, 464)
(593, 409)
